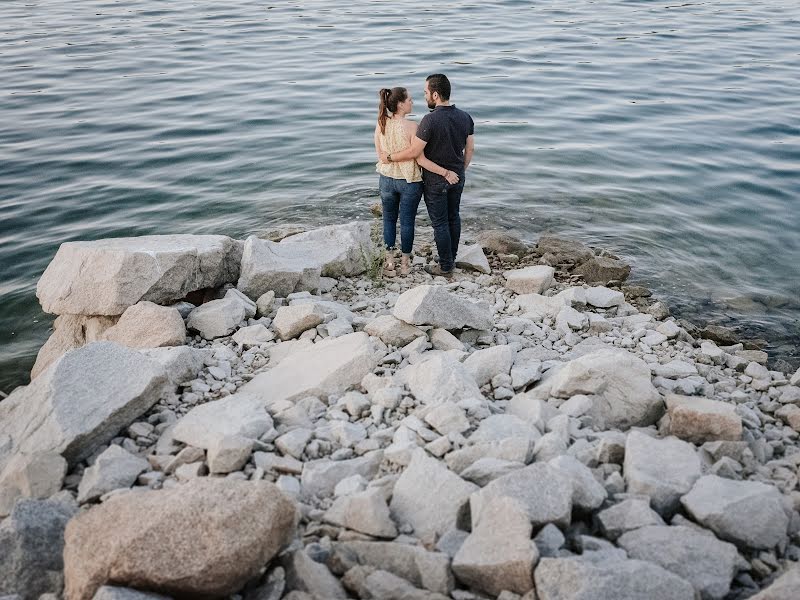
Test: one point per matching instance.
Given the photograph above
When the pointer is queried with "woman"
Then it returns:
(400, 182)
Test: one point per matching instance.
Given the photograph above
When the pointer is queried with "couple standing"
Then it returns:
(429, 158)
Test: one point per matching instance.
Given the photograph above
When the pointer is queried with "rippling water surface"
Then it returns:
(669, 133)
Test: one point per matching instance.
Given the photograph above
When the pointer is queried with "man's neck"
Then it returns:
(446, 103)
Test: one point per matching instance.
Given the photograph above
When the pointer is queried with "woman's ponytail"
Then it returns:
(382, 108)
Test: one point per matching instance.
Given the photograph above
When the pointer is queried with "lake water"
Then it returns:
(666, 132)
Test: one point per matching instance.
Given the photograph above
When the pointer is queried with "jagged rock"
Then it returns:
(602, 269)
(368, 582)
(340, 250)
(472, 257)
(429, 497)
(487, 469)
(483, 365)
(291, 321)
(264, 303)
(628, 515)
(699, 558)
(498, 555)
(70, 332)
(435, 305)
(228, 453)
(501, 242)
(675, 369)
(700, 420)
(517, 449)
(393, 331)
(664, 469)
(105, 277)
(447, 418)
(747, 513)
(294, 442)
(441, 339)
(306, 575)
(37, 475)
(182, 363)
(532, 410)
(278, 268)
(254, 335)
(568, 319)
(31, 547)
(217, 318)
(602, 297)
(328, 367)
(81, 401)
(588, 493)
(440, 379)
(721, 335)
(250, 307)
(543, 491)
(504, 427)
(588, 578)
(110, 592)
(239, 414)
(115, 468)
(427, 570)
(365, 511)
(617, 381)
(530, 280)
(206, 537)
(321, 476)
(148, 325)
(537, 307)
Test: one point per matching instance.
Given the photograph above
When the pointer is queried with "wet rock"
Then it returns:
(500, 242)
(721, 335)
(601, 269)
(564, 250)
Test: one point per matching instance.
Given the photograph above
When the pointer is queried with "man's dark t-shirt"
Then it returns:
(445, 130)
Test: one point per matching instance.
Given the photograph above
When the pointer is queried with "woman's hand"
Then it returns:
(384, 157)
(451, 177)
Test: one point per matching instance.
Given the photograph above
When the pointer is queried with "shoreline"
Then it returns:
(335, 432)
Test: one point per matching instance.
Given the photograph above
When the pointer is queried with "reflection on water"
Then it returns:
(667, 133)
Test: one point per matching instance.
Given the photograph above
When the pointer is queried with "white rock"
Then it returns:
(472, 257)
(487, 469)
(291, 321)
(38, 475)
(440, 379)
(618, 382)
(747, 513)
(105, 277)
(278, 268)
(148, 325)
(568, 319)
(250, 307)
(70, 332)
(538, 307)
(483, 365)
(339, 250)
(700, 420)
(239, 414)
(320, 477)
(675, 369)
(393, 331)
(502, 427)
(532, 410)
(348, 434)
(328, 367)
(253, 335)
(217, 318)
(712, 353)
(365, 511)
(80, 402)
(294, 442)
(435, 305)
(664, 469)
(530, 280)
(441, 339)
(229, 453)
(264, 303)
(670, 329)
(350, 485)
(447, 418)
(429, 497)
(498, 555)
(603, 297)
(588, 494)
(182, 363)
(795, 380)
(513, 450)
(115, 468)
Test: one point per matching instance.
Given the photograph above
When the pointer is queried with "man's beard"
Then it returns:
(431, 104)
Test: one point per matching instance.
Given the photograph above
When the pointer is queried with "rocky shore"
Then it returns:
(270, 419)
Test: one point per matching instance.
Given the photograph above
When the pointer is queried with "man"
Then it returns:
(446, 136)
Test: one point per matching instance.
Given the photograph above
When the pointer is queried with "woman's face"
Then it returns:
(405, 106)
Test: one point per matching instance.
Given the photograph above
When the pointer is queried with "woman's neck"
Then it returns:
(399, 116)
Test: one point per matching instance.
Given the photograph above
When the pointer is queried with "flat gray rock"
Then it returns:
(664, 469)
(440, 379)
(278, 268)
(70, 332)
(239, 414)
(747, 513)
(588, 494)
(182, 363)
(530, 280)
(429, 497)
(393, 331)
(38, 475)
(320, 477)
(581, 578)
(365, 512)
(628, 515)
(115, 468)
(110, 592)
(435, 305)
(472, 257)
(104, 277)
(700, 558)
(543, 491)
(485, 364)
(217, 318)
(291, 321)
(81, 401)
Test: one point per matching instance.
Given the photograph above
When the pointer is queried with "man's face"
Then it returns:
(429, 97)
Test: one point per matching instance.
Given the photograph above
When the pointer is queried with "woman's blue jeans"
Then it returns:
(399, 198)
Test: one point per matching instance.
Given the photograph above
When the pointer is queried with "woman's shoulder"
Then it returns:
(410, 125)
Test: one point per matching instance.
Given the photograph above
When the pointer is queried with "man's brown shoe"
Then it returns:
(436, 271)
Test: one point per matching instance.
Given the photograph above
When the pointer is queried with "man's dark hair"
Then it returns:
(440, 84)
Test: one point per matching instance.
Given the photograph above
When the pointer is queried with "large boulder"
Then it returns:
(70, 332)
(217, 318)
(115, 468)
(664, 469)
(440, 379)
(81, 401)
(618, 383)
(430, 497)
(435, 305)
(530, 280)
(698, 557)
(472, 257)
(205, 538)
(700, 420)
(105, 277)
(31, 547)
(590, 578)
(182, 363)
(748, 513)
(603, 269)
(148, 325)
(328, 367)
(564, 250)
(340, 250)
